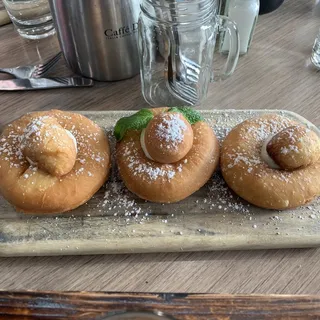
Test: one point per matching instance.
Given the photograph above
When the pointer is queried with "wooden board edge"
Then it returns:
(177, 244)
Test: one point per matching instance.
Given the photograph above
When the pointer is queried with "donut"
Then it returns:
(52, 161)
(272, 162)
(169, 157)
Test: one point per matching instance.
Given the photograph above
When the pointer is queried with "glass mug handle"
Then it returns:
(227, 26)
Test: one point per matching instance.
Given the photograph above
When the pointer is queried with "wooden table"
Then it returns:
(180, 306)
(275, 74)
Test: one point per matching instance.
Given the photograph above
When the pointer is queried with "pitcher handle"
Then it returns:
(226, 25)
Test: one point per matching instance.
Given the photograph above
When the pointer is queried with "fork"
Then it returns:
(184, 92)
(182, 74)
(31, 71)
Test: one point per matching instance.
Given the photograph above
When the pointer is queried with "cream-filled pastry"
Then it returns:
(272, 162)
(165, 155)
(52, 161)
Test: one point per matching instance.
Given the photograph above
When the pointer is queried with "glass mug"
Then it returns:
(176, 46)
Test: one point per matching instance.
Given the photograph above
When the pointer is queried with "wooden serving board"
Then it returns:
(83, 305)
(116, 221)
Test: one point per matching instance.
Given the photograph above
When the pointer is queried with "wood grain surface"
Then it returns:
(82, 305)
(211, 219)
(4, 17)
(276, 74)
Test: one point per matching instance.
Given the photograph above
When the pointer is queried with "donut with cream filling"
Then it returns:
(52, 161)
(272, 162)
(168, 158)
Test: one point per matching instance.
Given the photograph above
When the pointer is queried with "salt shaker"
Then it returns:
(245, 14)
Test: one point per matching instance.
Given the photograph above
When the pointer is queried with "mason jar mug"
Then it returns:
(176, 46)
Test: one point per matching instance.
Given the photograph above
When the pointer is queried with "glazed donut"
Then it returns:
(168, 160)
(52, 161)
(272, 162)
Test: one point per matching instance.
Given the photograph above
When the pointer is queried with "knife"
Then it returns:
(44, 83)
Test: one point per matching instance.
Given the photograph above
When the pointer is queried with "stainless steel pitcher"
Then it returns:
(98, 37)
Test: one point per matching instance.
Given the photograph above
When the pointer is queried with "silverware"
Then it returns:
(182, 77)
(44, 83)
(183, 84)
(31, 71)
(183, 73)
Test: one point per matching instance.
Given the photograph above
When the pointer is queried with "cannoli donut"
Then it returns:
(166, 154)
(52, 161)
(272, 162)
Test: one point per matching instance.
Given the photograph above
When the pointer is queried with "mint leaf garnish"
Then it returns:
(189, 113)
(137, 121)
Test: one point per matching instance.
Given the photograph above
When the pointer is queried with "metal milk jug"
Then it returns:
(98, 37)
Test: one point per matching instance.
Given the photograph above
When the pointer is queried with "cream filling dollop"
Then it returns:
(143, 145)
(73, 138)
(265, 155)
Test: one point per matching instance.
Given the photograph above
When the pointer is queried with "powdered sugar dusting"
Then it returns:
(148, 170)
(16, 139)
(226, 201)
(117, 198)
(262, 128)
(34, 127)
(241, 157)
(171, 130)
(244, 155)
(286, 150)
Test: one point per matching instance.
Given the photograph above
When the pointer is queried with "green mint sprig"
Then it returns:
(137, 121)
(189, 113)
